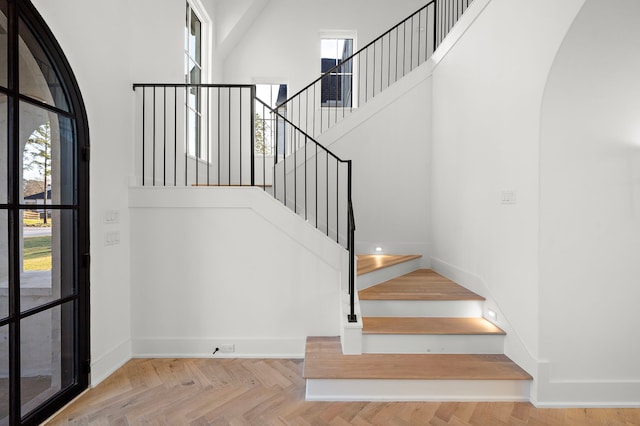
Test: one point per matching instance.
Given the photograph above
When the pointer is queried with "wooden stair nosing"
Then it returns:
(324, 360)
(423, 284)
(429, 325)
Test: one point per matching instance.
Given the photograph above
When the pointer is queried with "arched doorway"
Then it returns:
(44, 232)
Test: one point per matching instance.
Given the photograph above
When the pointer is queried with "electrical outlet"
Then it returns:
(228, 348)
(508, 197)
(111, 238)
(111, 216)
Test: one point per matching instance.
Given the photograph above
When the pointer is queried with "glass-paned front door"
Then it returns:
(43, 222)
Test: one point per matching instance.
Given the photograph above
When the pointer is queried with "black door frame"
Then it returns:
(24, 10)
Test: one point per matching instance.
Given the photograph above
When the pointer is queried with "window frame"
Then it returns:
(341, 35)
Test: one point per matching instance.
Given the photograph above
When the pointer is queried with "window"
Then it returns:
(193, 75)
(337, 86)
(268, 127)
(44, 222)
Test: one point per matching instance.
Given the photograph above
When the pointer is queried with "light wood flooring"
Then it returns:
(271, 392)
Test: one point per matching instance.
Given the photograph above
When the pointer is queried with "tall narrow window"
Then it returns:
(337, 86)
(193, 75)
(269, 128)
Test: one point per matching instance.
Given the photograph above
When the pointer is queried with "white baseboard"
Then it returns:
(554, 393)
(105, 365)
(285, 348)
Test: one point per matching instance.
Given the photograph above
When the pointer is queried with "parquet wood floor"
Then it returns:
(271, 392)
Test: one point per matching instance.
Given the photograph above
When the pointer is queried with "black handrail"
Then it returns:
(373, 68)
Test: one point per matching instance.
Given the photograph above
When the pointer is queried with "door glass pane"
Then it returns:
(4, 266)
(4, 375)
(46, 355)
(3, 148)
(47, 258)
(3, 43)
(38, 77)
(48, 161)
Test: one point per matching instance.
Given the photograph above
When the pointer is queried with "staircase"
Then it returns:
(423, 338)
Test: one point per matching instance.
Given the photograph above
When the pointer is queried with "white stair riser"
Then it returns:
(432, 343)
(421, 308)
(416, 390)
(386, 274)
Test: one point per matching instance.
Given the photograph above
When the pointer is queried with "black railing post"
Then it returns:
(351, 249)
(253, 137)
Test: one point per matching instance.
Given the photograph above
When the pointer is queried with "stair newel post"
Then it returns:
(252, 111)
(350, 244)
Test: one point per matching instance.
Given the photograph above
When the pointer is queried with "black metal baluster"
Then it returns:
(326, 174)
(229, 147)
(144, 96)
(412, 25)
(153, 156)
(219, 151)
(366, 76)
(208, 138)
(252, 141)
(275, 159)
(306, 217)
(316, 192)
(196, 132)
(337, 202)
(404, 44)
(295, 173)
(373, 83)
(419, 34)
(164, 135)
(240, 132)
(395, 77)
(186, 133)
(175, 136)
(389, 62)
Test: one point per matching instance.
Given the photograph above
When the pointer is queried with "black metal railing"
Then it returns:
(195, 134)
(223, 135)
(309, 179)
(358, 78)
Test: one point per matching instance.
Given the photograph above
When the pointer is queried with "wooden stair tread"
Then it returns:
(372, 262)
(418, 325)
(324, 360)
(423, 284)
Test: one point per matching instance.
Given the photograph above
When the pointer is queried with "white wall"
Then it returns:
(487, 92)
(214, 266)
(283, 42)
(590, 212)
(110, 49)
(388, 140)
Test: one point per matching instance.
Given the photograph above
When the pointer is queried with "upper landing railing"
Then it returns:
(359, 77)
